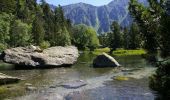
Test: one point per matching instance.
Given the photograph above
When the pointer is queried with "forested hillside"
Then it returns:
(25, 22)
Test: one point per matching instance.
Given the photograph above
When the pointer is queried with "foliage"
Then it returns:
(7, 6)
(134, 37)
(103, 39)
(121, 38)
(20, 33)
(84, 36)
(2, 47)
(160, 81)
(126, 38)
(5, 20)
(154, 22)
(148, 20)
(115, 37)
(24, 22)
(38, 31)
(44, 45)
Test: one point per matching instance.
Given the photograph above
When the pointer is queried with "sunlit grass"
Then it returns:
(120, 52)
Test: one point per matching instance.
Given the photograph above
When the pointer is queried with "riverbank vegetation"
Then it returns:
(120, 52)
(154, 23)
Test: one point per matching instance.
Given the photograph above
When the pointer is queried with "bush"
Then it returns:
(2, 47)
(160, 81)
(44, 45)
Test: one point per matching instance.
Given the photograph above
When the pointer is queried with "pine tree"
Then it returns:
(49, 23)
(115, 37)
(134, 35)
(38, 31)
(126, 38)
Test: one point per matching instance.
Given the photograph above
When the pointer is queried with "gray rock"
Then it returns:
(31, 88)
(28, 84)
(105, 60)
(54, 56)
(5, 79)
(74, 84)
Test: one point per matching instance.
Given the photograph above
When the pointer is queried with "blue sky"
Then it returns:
(66, 2)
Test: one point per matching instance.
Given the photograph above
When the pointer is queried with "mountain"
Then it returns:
(100, 17)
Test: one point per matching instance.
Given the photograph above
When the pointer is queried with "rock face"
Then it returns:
(5, 79)
(100, 17)
(54, 56)
(105, 60)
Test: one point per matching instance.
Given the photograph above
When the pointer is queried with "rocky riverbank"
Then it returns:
(5, 79)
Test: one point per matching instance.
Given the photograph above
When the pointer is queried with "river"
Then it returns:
(101, 84)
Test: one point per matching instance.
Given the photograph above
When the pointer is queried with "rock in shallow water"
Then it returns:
(105, 60)
(54, 56)
(5, 79)
(74, 84)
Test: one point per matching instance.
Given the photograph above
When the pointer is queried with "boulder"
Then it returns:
(5, 79)
(54, 56)
(105, 60)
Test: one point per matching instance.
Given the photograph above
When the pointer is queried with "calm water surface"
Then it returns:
(100, 82)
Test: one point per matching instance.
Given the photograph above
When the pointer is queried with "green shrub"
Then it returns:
(44, 45)
(160, 81)
(2, 47)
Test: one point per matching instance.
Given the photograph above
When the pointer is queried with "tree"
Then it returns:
(93, 39)
(103, 39)
(126, 38)
(134, 34)
(19, 34)
(154, 22)
(61, 34)
(5, 20)
(84, 36)
(7, 6)
(147, 20)
(115, 38)
(49, 21)
(38, 31)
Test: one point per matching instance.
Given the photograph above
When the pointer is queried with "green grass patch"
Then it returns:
(120, 52)
(129, 52)
(101, 50)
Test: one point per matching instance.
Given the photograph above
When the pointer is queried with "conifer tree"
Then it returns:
(38, 31)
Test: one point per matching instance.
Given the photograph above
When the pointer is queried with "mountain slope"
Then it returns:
(100, 17)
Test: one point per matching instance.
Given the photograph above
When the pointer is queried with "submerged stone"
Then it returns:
(74, 84)
(5, 79)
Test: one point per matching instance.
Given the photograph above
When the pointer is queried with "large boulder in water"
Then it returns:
(105, 60)
(51, 57)
(5, 79)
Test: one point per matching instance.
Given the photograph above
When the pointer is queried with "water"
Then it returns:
(100, 82)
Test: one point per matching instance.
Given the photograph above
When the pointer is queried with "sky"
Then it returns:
(67, 2)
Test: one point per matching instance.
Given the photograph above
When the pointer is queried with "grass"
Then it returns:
(120, 52)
